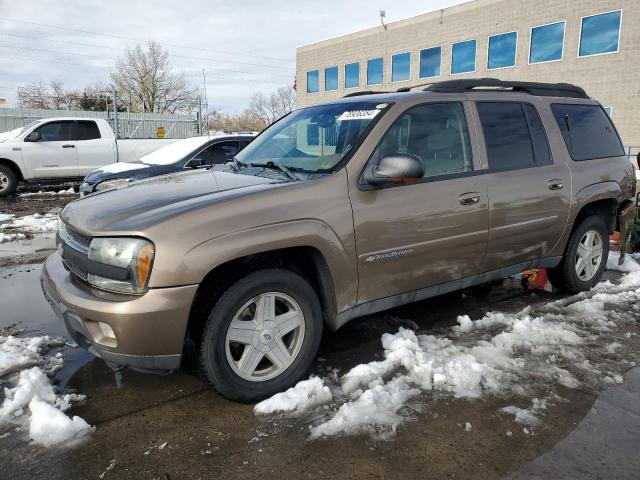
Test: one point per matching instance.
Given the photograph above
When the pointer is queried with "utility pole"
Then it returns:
(200, 115)
(115, 110)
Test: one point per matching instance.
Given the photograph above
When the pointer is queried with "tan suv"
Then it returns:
(337, 211)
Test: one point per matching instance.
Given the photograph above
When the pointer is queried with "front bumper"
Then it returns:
(149, 329)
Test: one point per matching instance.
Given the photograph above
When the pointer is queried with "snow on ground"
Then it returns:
(10, 237)
(121, 167)
(304, 395)
(42, 193)
(14, 228)
(30, 398)
(524, 356)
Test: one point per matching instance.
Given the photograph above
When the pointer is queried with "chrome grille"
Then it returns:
(76, 270)
(78, 238)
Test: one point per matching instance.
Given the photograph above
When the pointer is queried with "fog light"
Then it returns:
(106, 330)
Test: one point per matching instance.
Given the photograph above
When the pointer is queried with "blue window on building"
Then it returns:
(547, 43)
(352, 75)
(430, 59)
(463, 57)
(600, 34)
(313, 81)
(502, 50)
(331, 78)
(375, 71)
(400, 67)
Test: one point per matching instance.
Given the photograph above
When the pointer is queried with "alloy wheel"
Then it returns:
(589, 255)
(265, 336)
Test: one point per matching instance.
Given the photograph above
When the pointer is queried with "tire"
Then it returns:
(224, 361)
(565, 276)
(634, 241)
(8, 181)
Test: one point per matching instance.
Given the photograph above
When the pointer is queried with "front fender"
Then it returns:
(7, 153)
(340, 259)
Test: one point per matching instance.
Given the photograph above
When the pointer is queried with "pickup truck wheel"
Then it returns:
(585, 258)
(261, 335)
(8, 181)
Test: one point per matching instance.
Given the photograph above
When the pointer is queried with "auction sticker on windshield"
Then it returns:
(358, 115)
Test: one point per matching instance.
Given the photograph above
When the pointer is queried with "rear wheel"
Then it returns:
(262, 335)
(585, 258)
(8, 181)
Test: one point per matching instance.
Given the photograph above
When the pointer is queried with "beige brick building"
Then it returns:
(570, 41)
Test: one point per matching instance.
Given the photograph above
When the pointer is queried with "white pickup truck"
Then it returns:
(62, 149)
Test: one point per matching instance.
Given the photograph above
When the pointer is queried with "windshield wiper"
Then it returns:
(237, 164)
(288, 171)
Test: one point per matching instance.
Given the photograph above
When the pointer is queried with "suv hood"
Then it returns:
(134, 207)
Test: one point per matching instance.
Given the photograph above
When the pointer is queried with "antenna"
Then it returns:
(206, 103)
(382, 15)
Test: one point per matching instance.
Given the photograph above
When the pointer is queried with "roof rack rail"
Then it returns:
(364, 92)
(533, 88)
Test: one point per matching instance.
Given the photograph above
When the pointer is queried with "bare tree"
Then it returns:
(146, 82)
(54, 96)
(269, 109)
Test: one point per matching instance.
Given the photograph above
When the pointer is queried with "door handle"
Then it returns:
(68, 146)
(469, 198)
(555, 184)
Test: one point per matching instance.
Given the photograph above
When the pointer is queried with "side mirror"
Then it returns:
(397, 168)
(197, 163)
(33, 137)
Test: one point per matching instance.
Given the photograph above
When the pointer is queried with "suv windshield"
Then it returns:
(314, 139)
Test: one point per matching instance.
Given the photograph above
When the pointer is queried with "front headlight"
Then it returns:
(133, 259)
(107, 184)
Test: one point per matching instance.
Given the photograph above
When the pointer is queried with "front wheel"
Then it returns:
(585, 257)
(261, 335)
(8, 181)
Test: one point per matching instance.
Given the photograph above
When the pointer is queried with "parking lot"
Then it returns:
(174, 426)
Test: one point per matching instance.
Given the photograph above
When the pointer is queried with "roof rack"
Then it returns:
(533, 88)
(364, 92)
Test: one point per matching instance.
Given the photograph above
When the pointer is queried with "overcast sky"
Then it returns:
(244, 46)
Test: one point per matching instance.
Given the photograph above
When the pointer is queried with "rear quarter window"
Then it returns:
(587, 131)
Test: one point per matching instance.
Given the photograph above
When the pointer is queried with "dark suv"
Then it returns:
(195, 152)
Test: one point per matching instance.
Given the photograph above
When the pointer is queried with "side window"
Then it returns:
(56, 132)
(437, 133)
(220, 152)
(506, 135)
(541, 148)
(587, 131)
(86, 130)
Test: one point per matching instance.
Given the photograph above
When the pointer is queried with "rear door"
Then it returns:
(54, 156)
(93, 151)
(418, 235)
(529, 188)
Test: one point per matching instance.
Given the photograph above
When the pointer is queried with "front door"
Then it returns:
(54, 155)
(418, 235)
(529, 189)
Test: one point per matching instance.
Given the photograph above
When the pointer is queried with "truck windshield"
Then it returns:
(16, 132)
(314, 139)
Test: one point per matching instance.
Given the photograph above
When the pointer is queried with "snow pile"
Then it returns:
(304, 395)
(628, 266)
(121, 167)
(528, 417)
(10, 237)
(69, 191)
(501, 354)
(24, 365)
(35, 223)
(19, 353)
(48, 425)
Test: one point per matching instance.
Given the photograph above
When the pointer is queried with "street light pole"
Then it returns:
(115, 110)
